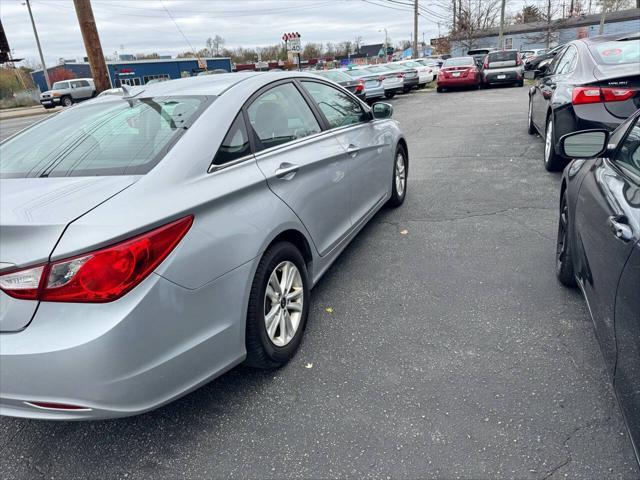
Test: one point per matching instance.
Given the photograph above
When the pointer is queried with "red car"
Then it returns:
(459, 72)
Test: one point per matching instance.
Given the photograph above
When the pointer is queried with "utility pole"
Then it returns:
(35, 32)
(548, 24)
(602, 18)
(501, 34)
(92, 44)
(414, 51)
(455, 14)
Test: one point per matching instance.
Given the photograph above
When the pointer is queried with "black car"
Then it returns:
(598, 248)
(533, 63)
(591, 83)
(355, 86)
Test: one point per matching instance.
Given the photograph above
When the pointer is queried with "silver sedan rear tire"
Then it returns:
(400, 176)
(278, 307)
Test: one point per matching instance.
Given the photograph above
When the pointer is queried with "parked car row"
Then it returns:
(374, 82)
(482, 68)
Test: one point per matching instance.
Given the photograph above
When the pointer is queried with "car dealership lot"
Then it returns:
(438, 345)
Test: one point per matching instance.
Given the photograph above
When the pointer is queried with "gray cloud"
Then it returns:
(144, 25)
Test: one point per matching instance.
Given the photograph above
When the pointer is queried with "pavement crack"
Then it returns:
(10, 439)
(551, 473)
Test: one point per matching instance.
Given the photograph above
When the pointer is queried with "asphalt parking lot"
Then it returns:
(439, 345)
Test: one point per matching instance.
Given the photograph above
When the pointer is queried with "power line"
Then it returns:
(178, 27)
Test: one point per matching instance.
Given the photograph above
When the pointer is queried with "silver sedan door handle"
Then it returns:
(353, 149)
(286, 169)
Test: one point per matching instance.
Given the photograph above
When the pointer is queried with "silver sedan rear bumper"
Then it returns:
(123, 358)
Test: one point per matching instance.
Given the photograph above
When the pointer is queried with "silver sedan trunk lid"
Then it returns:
(34, 213)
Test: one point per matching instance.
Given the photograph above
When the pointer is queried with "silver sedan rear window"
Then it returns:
(113, 137)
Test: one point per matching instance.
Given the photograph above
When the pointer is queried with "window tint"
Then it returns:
(115, 137)
(459, 62)
(567, 63)
(338, 107)
(504, 56)
(235, 144)
(281, 115)
(554, 63)
(627, 51)
(629, 153)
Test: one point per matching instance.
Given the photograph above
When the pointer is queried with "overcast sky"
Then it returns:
(144, 26)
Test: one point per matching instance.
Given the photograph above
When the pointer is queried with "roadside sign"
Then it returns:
(293, 42)
(293, 45)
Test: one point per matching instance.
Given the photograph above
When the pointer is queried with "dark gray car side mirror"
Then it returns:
(382, 110)
(584, 144)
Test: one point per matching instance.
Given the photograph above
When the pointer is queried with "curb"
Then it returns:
(4, 115)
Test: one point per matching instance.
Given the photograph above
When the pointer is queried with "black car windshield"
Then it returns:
(614, 53)
(111, 137)
(459, 62)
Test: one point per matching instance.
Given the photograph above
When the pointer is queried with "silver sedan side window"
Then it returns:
(338, 107)
(235, 144)
(281, 115)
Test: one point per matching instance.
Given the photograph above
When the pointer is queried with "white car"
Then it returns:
(425, 73)
(68, 92)
(434, 65)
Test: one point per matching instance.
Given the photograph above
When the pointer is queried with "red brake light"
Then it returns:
(617, 94)
(585, 95)
(100, 276)
(485, 64)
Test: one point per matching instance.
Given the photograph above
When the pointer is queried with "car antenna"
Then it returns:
(127, 94)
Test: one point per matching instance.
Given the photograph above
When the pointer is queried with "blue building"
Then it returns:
(534, 35)
(139, 72)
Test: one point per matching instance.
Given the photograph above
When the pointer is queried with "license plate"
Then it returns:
(501, 77)
(455, 74)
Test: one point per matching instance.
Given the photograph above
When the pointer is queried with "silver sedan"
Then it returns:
(151, 242)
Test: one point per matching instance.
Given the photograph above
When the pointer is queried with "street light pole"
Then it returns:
(386, 43)
(35, 32)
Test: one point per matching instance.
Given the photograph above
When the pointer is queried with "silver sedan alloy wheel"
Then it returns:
(283, 303)
(401, 174)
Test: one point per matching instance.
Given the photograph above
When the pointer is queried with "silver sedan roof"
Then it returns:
(212, 84)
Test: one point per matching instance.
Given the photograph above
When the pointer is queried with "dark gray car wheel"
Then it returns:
(530, 126)
(66, 101)
(564, 261)
(552, 161)
(278, 307)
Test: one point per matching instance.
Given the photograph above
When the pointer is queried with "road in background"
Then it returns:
(439, 345)
(10, 126)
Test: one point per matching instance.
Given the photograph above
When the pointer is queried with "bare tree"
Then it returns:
(474, 17)
(215, 45)
(312, 50)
